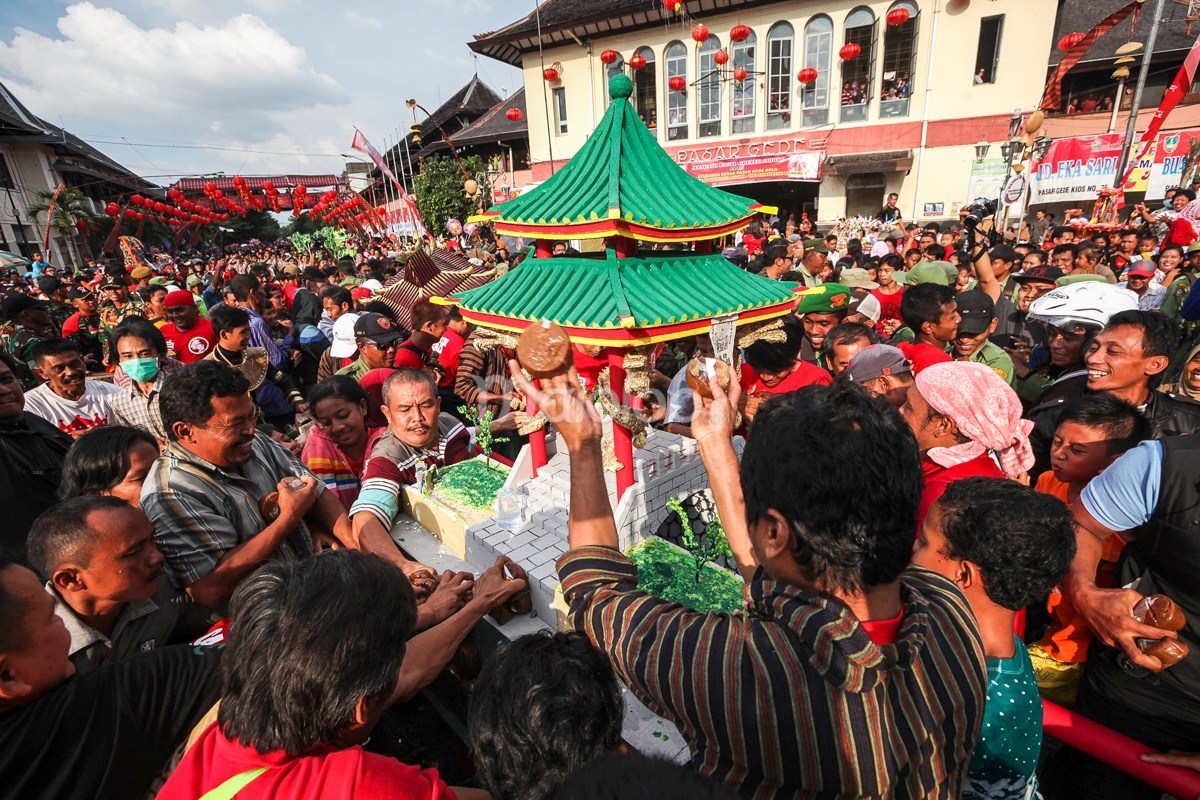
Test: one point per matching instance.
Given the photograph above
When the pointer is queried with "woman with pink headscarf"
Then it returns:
(967, 421)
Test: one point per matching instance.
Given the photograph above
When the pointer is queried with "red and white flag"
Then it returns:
(361, 144)
(1175, 92)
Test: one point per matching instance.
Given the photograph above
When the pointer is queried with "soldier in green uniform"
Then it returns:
(821, 308)
(85, 328)
(977, 312)
(31, 323)
(55, 293)
(119, 304)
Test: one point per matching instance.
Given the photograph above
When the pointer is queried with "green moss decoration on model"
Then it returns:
(704, 547)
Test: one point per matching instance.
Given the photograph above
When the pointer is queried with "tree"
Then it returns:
(439, 190)
(251, 225)
(305, 223)
(72, 215)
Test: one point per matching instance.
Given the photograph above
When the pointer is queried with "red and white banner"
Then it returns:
(361, 144)
(1175, 92)
(1076, 168)
(1052, 96)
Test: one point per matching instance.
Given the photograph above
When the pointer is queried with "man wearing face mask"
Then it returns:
(140, 347)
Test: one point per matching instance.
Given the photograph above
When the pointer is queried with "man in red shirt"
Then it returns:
(967, 422)
(772, 368)
(416, 352)
(450, 346)
(189, 336)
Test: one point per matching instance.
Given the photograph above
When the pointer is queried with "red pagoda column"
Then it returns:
(704, 246)
(537, 439)
(622, 438)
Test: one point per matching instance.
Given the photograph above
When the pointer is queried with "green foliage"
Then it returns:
(705, 546)
(483, 432)
(305, 223)
(666, 571)
(439, 191)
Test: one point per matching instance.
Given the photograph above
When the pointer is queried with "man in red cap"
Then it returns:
(189, 336)
(1138, 279)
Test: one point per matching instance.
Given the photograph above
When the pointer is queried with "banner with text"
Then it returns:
(754, 161)
(1075, 169)
(1170, 156)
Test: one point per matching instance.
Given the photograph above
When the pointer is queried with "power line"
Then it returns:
(131, 143)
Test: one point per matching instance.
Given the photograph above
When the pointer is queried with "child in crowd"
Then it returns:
(1092, 432)
(1004, 545)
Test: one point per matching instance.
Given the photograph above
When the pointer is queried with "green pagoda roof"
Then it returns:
(621, 182)
(624, 302)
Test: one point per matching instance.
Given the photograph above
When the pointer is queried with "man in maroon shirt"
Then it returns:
(416, 352)
(189, 336)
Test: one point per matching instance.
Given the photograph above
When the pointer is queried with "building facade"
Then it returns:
(895, 98)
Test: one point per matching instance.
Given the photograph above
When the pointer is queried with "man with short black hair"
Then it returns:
(930, 312)
(68, 399)
(709, 673)
(883, 371)
(843, 342)
(1063, 257)
(776, 261)
(416, 352)
(335, 301)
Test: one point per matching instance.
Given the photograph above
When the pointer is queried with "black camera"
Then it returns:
(979, 210)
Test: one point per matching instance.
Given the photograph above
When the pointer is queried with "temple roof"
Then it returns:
(621, 182)
(625, 302)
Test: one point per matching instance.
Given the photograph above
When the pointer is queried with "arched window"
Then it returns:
(899, 57)
(818, 54)
(676, 58)
(780, 40)
(742, 106)
(645, 88)
(857, 71)
(709, 97)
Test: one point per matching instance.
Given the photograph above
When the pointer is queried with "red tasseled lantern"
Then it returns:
(898, 16)
(268, 187)
(807, 75)
(550, 74)
(677, 83)
(112, 209)
(1069, 41)
(739, 33)
(721, 57)
(637, 61)
(850, 51)
(514, 114)
(700, 33)
(610, 56)
(175, 194)
(239, 181)
(739, 74)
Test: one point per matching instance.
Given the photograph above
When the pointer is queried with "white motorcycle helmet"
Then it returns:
(1082, 305)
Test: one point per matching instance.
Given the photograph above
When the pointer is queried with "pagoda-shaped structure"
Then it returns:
(623, 187)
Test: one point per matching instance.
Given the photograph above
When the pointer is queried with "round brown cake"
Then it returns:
(1161, 612)
(544, 349)
(1167, 651)
(699, 384)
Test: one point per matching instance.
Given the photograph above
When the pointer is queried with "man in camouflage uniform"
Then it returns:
(119, 304)
(54, 292)
(85, 329)
(31, 324)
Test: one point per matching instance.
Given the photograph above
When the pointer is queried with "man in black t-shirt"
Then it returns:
(104, 735)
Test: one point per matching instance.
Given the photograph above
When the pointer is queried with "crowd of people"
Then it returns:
(966, 462)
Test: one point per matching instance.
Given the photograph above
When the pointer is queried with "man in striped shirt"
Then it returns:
(847, 675)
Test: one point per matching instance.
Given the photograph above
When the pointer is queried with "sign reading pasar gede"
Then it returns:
(750, 161)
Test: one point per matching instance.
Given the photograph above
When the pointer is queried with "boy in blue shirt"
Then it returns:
(1005, 546)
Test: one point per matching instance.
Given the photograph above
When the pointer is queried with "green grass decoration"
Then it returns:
(483, 430)
(705, 547)
(469, 484)
(667, 572)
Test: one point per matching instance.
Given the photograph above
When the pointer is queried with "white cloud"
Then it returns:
(358, 20)
(234, 75)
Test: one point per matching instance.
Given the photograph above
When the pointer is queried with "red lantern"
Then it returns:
(550, 74)
(739, 33)
(807, 75)
(1069, 41)
(112, 209)
(700, 33)
(721, 57)
(137, 199)
(739, 74)
(175, 194)
(850, 51)
(160, 207)
(673, 6)
(637, 62)
(897, 16)
(268, 187)
(81, 225)
(677, 83)
(610, 56)
(514, 114)
(239, 181)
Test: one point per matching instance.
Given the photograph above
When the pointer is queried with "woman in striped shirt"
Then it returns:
(340, 442)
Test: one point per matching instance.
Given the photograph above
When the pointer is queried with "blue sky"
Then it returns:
(187, 87)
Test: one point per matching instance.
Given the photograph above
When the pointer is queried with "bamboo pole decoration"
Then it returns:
(49, 217)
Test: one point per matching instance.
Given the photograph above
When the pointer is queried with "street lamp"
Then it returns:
(981, 150)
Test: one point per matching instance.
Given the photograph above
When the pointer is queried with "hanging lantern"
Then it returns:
(209, 187)
(807, 75)
(740, 74)
(897, 16)
(739, 33)
(700, 33)
(137, 199)
(677, 83)
(610, 56)
(175, 194)
(81, 225)
(850, 51)
(1069, 41)
(112, 209)
(673, 6)
(514, 114)
(721, 57)
(239, 181)
(637, 62)
(550, 74)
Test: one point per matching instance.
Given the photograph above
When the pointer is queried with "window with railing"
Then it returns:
(818, 55)
(780, 40)
(899, 56)
(708, 112)
(742, 105)
(676, 58)
(645, 88)
(857, 71)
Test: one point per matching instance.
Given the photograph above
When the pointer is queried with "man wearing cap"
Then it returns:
(376, 338)
(820, 309)
(1138, 279)
(141, 276)
(118, 303)
(290, 284)
(977, 321)
(195, 285)
(31, 323)
(84, 327)
(883, 371)
(55, 293)
(189, 336)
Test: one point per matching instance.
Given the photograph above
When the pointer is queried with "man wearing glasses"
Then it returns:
(377, 339)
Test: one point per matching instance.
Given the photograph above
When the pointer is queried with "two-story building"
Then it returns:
(823, 107)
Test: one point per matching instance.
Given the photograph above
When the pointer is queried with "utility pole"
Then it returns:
(1131, 125)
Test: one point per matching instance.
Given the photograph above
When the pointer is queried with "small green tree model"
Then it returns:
(483, 431)
(705, 547)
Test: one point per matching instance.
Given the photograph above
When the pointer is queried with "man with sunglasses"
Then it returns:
(377, 340)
